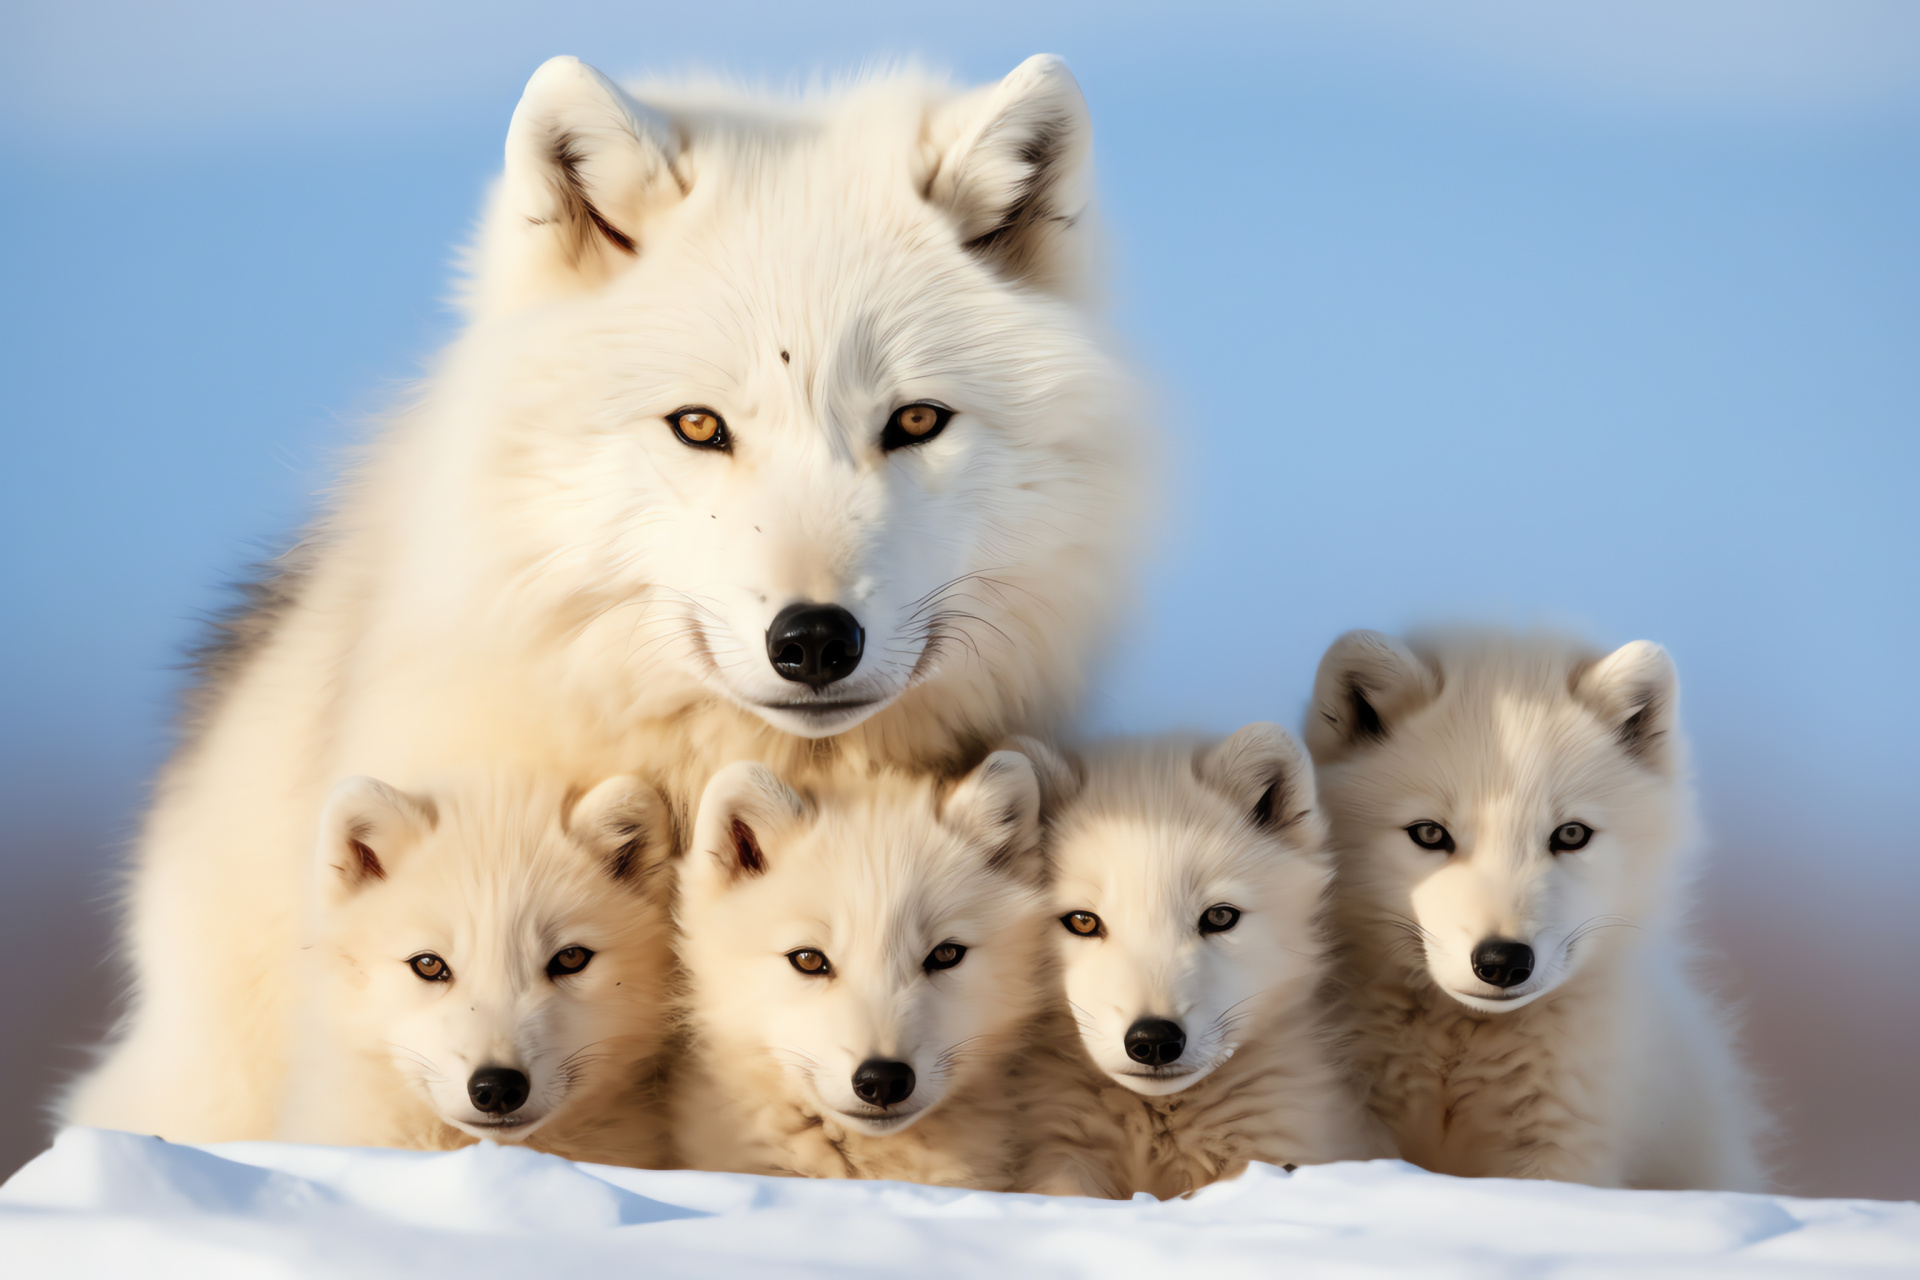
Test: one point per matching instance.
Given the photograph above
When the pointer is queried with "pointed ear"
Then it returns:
(625, 824)
(1366, 680)
(1265, 772)
(742, 805)
(585, 165)
(997, 806)
(1014, 171)
(1636, 692)
(1061, 773)
(365, 828)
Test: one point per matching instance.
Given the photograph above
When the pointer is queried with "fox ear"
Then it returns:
(742, 804)
(364, 828)
(585, 165)
(626, 824)
(1365, 681)
(1263, 770)
(1061, 773)
(998, 807)
(1636, 692)
(1013, 168)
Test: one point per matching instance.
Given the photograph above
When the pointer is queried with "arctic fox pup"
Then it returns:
(1187, 896)
(1513, 833)
(490, 960)
(781, 429)
(864, 967)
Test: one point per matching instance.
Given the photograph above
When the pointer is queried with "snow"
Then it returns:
(118, 1204)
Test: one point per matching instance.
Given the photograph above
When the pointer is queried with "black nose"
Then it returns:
(1154, 1042)
(883, 1084)
(1503, 963)
(815, 644)
(498, 1091)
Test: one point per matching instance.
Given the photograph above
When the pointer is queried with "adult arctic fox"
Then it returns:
(1513, 831)
(781, 430)
(488, 960)
(1187, 890)
(865, 967)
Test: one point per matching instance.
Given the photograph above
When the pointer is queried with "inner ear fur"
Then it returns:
(1366, 681)
(741, 805)
(1264, 771)
(626, 824)
(997, 806)
(1635, 690)
(366, 826)
(1013, 169)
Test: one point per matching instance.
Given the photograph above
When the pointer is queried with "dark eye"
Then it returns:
(944, 956)
(429, 967)
(1083, 924)
(701, 428)
(570, 960)
(1569, 836)
(914, 424)
(1431, 835)
(810, 962)
(1219, 919)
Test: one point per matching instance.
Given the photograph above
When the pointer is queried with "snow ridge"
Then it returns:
(117, 1204)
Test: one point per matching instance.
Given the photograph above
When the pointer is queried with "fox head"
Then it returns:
(501, 947)
(1503, 806)
(1186, 891)
(803, 406)
(878, 943)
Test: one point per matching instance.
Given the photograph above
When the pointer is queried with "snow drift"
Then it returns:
(108, 1203)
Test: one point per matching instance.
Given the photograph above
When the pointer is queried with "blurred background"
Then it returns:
(1598, 315)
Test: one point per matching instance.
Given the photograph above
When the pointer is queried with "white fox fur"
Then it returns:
(1607, 1065)
(873, 878)
(540, 914)
(531, 569)
(1147, 839)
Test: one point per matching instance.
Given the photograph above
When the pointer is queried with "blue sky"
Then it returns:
(1602, 316)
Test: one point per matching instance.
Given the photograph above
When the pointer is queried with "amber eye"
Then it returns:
(914, 424)
(1219, 919)
(1431, 835)
(944, 956)
(429, 967)
(569, 960)
(1569, 837)
(1082, 924)
(701, 428)
(812, 963)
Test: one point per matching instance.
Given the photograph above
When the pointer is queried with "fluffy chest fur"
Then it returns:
(1278, 1100)
(1528, 1094)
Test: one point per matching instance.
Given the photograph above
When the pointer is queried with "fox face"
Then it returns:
(792, 401)
(1502, 805)
(876, 944)
(498, 948)
(1187, 885)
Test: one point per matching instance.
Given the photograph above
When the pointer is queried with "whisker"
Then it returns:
(428, 1073)
(1591, 926)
